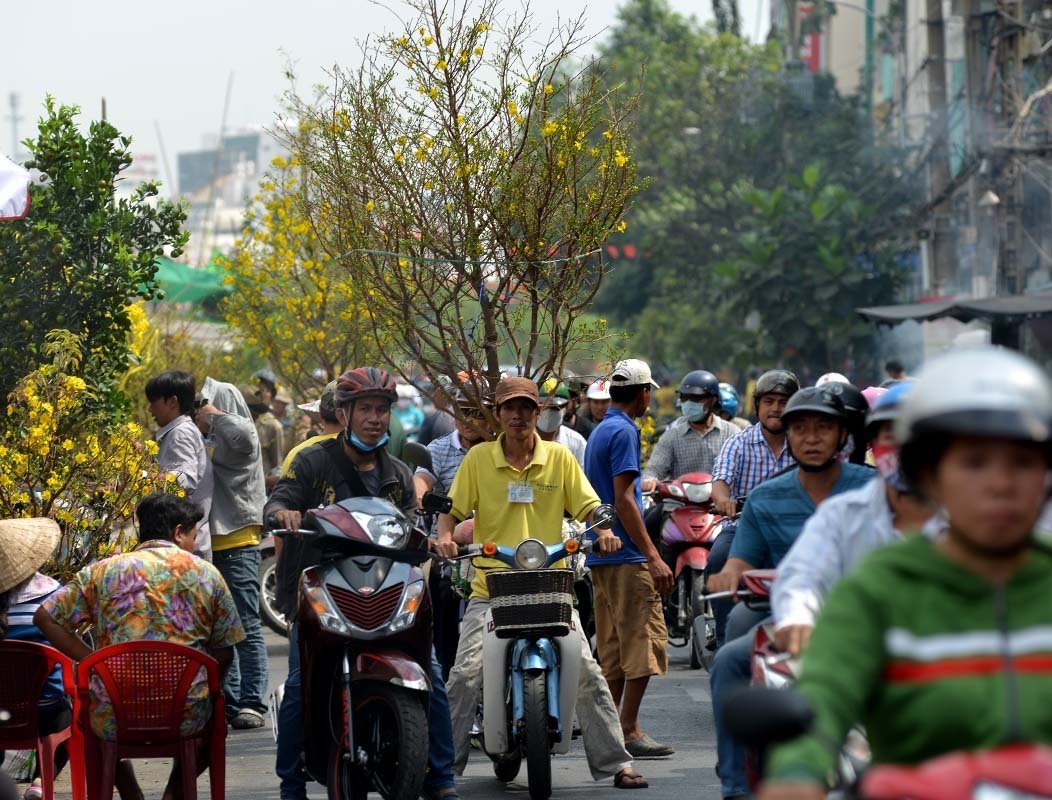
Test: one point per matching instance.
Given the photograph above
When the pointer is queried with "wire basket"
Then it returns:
(538, 601)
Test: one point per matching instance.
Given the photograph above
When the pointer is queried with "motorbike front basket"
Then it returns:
(534, 601)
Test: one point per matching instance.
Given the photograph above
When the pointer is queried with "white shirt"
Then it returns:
(842, 531)
(572, 441)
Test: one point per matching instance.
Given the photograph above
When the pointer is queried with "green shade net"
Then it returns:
(185, 284)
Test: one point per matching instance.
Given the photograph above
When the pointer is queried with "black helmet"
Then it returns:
(855, 404)
(775, 381)
(699, 383)
(815, 400)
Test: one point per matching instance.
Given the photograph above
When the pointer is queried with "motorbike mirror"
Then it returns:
(604, 516)
(416, 455)
(759, 717)
(436, 503)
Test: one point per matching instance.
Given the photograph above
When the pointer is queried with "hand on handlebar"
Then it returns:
(648, 484)
(792, 639)
(288, 519)
(446, 548)
(607, 542)
(726, 508)
(725, 581)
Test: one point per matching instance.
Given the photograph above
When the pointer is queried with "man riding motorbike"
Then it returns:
(355, 464)
(942, 642)
(773, 518)
(520, 486)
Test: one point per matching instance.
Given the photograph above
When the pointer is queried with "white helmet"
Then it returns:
(831, 377)
(599, 390)
(986, 391)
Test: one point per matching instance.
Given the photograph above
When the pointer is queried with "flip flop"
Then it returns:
(623, 780)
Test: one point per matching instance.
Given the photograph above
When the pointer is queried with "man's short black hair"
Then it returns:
(893, 365)
(160, 514)
(623, 395)
(173, 383)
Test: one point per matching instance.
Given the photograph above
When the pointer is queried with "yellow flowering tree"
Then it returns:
(61, 458)
(467, 179)
(291, 301)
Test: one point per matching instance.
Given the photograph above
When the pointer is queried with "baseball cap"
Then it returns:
(599, 390)
(511, 388)
(555, 393)
(632, 372)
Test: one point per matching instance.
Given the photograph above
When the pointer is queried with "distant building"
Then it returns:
(218, 182)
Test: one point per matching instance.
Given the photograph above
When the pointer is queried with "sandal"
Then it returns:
(630, 780)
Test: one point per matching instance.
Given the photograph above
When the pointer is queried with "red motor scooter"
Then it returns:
(365, 649)
(689, 527)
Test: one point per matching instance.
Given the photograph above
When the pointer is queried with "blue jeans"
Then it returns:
(721, 550)
(246, 681)
(730, 670)
(289, 767)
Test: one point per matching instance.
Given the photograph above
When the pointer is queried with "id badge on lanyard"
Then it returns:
(520, 493)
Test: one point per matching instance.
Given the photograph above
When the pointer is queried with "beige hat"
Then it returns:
(25, 544)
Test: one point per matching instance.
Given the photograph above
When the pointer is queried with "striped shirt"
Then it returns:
(25, 600)
(446, 454)
(683, 449)
(746, 461)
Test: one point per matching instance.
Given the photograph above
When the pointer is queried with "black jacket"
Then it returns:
(317, 478)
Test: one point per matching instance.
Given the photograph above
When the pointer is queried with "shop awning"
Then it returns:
(1011, 309)
(185, 284)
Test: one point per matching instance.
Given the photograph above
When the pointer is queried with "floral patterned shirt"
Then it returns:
(157, 591)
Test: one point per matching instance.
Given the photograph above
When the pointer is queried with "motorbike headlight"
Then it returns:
(674, 490)
(383, 530)
(531, 554)
(328, 615)
(412, 597)
(698, 492)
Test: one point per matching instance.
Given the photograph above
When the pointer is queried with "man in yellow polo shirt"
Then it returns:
(519, 487)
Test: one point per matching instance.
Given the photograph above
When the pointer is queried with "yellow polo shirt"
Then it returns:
(287, 463)
(481, 486)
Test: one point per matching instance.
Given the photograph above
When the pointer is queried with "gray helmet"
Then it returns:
(327, 404)
(815, 400)
(775, 381)
(985, 391)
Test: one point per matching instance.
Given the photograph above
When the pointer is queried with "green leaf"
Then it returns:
(810, 176)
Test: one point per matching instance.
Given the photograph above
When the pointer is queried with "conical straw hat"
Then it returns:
(25, 544)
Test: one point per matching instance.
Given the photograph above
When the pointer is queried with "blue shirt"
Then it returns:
(746, 461)
(775, 513)
(614, 449)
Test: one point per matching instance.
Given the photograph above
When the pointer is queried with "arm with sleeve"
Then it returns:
(464, 491)
(727, 466)
(581, 498)
(234, 437)
(182, 456)
(659, 467)
(841, 668)
(293, 492)
(749, 544)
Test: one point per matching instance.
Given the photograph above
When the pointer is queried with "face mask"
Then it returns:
(550, 419)
(694, 411)
(886, 459)
(353, 440)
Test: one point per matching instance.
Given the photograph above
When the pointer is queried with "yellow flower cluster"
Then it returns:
(59, 459)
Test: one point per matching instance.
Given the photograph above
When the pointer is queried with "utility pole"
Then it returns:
(15, 118)
(942, 240)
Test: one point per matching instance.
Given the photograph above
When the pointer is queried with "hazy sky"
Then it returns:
(167, 64)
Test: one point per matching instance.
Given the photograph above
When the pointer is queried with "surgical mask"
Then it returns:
(694, 411)
(352, 439)
(886, 459)
(550, 419)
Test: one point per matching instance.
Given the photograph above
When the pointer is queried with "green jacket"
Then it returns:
(929, 657)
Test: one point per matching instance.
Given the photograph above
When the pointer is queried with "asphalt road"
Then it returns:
(676, 710)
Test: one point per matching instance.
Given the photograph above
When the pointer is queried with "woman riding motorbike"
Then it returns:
(942, 642)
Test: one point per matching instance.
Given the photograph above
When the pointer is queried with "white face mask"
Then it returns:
(550, 419)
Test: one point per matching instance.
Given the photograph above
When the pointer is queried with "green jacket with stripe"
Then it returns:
(929, 657)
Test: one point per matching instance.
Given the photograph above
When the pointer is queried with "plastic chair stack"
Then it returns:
(24, 668)
(147, 683)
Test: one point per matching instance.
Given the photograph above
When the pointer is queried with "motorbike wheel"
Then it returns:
(538, 757)
(390, 724)
(700, 654)
(268, 601)
(506, 768)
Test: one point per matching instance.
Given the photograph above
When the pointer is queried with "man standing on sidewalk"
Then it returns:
(630, 627)
(236, 521)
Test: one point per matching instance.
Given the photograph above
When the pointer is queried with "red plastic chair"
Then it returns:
(147, 683)
(24, 669)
